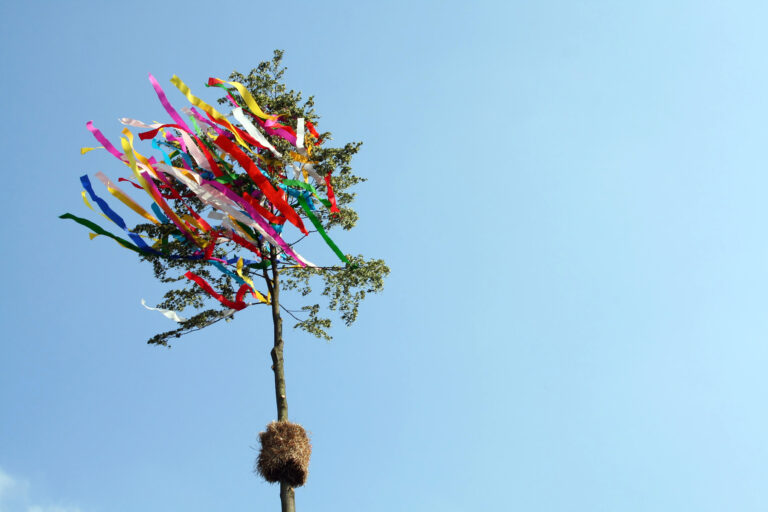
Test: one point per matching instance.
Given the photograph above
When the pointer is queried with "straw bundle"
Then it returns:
(284, 454)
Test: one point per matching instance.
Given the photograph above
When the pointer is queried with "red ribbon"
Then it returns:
(312, 130)
(211, 245)
(331, 195)
(234, 238)
(243, 135)
(214, 166)
(242, 242)
(175, 195)
(263, 183)
(131, 182)
(241, 293)
(274, 219)
(238, 304)
(166, 196)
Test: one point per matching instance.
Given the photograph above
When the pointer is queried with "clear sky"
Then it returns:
(571, 196)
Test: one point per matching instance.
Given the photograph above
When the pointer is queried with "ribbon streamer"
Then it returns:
(202, 283)
(167, 313)
(234, 170)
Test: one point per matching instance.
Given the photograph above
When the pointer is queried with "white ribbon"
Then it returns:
(212, 197)
(167, 313)
(253, 131)
(300, 133)
(192, 148)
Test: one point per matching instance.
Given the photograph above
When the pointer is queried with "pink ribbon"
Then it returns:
(104, 142)
(166, 104)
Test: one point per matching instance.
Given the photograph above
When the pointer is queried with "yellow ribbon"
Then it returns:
(252, 105)
(181, 86)
(300, 158)
(85, 200)
(191, 220)
(125, 198)
(141, 158)
(88, 204)
(250, 282)
(236, 226)
(129, 153)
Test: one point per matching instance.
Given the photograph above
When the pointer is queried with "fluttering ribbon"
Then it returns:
(237, 304)
(250, 204)
(167, 313)
(318, 225)
(166, 104)
(101, 231)
(214, 114)
(247, 97)
(331, 195)
(253, 131)
(125, 198)
(111, 215)
(262, 182)
(248, 280)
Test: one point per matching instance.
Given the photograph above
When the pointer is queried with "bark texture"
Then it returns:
(287, 494)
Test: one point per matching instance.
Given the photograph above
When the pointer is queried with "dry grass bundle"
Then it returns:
(284, 455)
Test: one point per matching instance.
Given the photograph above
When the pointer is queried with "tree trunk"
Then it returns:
(287, 499)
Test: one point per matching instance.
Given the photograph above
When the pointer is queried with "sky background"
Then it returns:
(570, 195)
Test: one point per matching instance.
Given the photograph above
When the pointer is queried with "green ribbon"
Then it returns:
(101, 231)
(320, 230)
(309, 188)
(265, 263)
(198, 131)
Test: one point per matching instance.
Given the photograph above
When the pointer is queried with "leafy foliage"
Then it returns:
(344, 287)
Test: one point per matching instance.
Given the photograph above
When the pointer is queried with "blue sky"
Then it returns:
(570, 196)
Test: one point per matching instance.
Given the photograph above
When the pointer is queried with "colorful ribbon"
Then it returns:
(251, 203)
